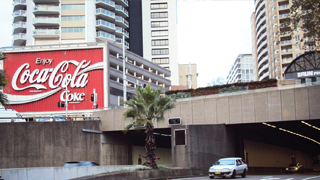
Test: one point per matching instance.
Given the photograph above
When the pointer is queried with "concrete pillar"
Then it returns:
(118, 67)
(118, 79)
(204, 144)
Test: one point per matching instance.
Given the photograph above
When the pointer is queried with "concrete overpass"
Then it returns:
(234, 124)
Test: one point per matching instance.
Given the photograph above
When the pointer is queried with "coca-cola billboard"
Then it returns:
(38, 79)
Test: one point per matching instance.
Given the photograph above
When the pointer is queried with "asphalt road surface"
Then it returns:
(305, 176)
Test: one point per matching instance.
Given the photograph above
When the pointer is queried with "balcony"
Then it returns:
(124, 3)
(106, 4)
(262, 45)
(19, 27)
(287, 60)
(284, 7)
(119, 41)
(261, 29)
(286, 33)
(120, 21)
(105, 14)
(105, 36)
(263, 52)
(259, 7)
(263, 20)
(262, 37)
(262, 61)
(19, 5)
(46, 21)
(46, 10)
(264, 76)
(19, 39)
(105, 26)
(45, 1)
(260, 14)
(284, 15)
(121, 11)
(286, 42)
(46, 33)
(286, 51)
(19, 15)
(263, 68)
(120, 31)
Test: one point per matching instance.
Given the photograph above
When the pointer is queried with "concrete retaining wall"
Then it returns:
(148, 174)
(55, 173)
(45, 144)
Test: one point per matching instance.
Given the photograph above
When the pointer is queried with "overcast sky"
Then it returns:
(211, 33)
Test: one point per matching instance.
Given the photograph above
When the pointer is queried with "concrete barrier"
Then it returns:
(56, 173)
(148, 174)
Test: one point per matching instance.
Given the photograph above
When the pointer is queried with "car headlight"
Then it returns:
(287, 168)
(296, 168)
(212, 169)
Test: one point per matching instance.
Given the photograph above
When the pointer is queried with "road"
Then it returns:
(305, 176)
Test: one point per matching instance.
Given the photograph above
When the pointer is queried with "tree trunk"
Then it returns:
(150, 146)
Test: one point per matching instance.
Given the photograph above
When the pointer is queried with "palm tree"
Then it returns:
(3, 83)
(147, 106)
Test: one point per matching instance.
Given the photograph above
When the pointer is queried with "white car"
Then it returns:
(228, 167)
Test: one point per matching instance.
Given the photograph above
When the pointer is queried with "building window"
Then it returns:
(275, 34)
(72, 18)
(155, 15)
(297, 38)
(160, 33)
(160, 60)
(277, 69)
(274, 8)
(160, 51)
(72, 6)
(155, 24)
(275, 25)
(298, 46)
(276, 51)
(274, 16)
(297, 55)
(159, 5)
(160, 42)
(277, 60)
(72, 30)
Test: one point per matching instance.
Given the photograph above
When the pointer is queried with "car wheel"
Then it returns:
(233, 174)
(211, 177)
(244, 173)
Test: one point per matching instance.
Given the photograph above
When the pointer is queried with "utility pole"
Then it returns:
(67, 101)
(124, 70)
(190, 85)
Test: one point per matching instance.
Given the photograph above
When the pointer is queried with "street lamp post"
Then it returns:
(124, 70)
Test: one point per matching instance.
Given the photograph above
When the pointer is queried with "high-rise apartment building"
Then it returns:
(188, 75)
(241, 70)
(152, 24)
(37, 22)
(159, 19)
(272, 46)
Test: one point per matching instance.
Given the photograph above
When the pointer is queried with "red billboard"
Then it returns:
(38, 79)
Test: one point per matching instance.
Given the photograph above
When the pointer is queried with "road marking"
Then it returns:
(311, 178)
(289, 179)
(268, 178)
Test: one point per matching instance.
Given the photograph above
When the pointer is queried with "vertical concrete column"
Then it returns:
(135, 74)
(118, 68)
(149, 80)
(134, 63)
(157, 82)
(156, 72)
(118, 79)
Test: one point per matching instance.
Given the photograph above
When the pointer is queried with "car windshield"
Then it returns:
(292, 164)
(225, 162)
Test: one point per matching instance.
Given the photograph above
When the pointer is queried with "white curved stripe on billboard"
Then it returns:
(22, 99)
(92, 67)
